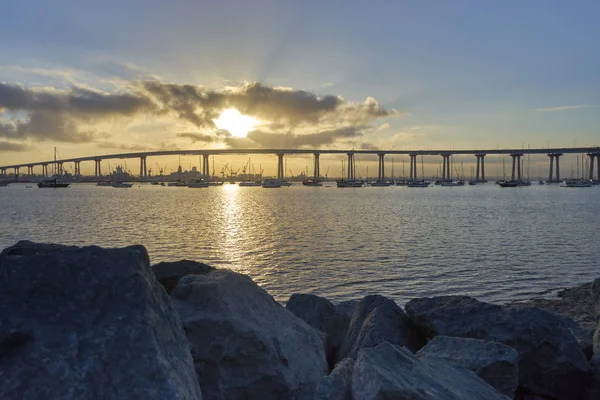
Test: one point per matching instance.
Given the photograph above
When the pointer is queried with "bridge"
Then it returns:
(554, 155)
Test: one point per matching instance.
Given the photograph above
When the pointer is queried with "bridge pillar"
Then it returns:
(516, 166)
(381, 171)
(77, 169)
(29, 170)
(316, 168)
(60, 168)
(592, 156)
(551, 177)
(280, 171)
(97, 169)
(351, 175)
(3, 171)
(143, 169)
(205, 165)
(16, 173)
(446, 170)
(480, 177)
(598, 166)
(413, 167)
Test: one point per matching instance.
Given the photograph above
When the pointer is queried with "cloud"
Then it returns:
(58, 114)
(287, 117)
(197, 137)
(120, 146)
(327, 84)
(562, 108)
(10, 146)
(291, 140)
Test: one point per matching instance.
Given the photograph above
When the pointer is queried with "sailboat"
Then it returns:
(52, 183)
(345, 183)
(451, 182)
(579, 182)
(419, 182)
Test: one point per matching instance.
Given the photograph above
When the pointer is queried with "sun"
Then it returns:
(237, 124)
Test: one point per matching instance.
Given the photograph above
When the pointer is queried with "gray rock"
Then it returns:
(245, 345)
(378, 319)
(347, 307)
(169, 273)
(389, 372)
(592, 390)
(494, 362)
(551, 362)
(88, 323)
(338, 384)
(595, 292)
(322, 315)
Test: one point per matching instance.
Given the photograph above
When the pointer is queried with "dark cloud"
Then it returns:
(119, 146)
(197, 137)
(368, 146)
(291, 140)
(289, 118)
(46, 125)
(282, 106)
(10, 146)
(57, 115)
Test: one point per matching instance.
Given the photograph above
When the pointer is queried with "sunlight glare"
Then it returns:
(233, 121)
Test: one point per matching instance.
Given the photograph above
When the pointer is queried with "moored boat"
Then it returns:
(121, 184)
(509, 184)
(271, 183)
(197, 184)
(177, 184)
(578, 184)
(250, 184)
(418, 184)
(52, 183)
(344, 183)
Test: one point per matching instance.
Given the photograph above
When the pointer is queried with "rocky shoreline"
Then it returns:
(100, 323)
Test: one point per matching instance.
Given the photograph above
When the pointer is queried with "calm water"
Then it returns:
(493, 243)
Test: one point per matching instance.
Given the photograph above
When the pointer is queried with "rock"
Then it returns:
(389, 372)
(88, 323)
(378, 319)
(574, 303)
(592, 390)
(244, 344)
(169, 273)
(338, 385)
(595, 292)
(322, 315)
(347, 307)
(551, 362)
(494, 362)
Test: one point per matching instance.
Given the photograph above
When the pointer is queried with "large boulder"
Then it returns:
(338, 384)
(88, 323)
(168, 273)
(377, 319)
(494, 362)
(595, 292)
(389, 372)
(551, 361)
(321, 314)
(244, 344)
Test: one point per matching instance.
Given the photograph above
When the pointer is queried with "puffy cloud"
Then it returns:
(10, 146)
(57, 115)
(291, 140)
(288, 117)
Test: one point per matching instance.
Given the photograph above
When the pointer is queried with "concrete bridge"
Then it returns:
(554, 155)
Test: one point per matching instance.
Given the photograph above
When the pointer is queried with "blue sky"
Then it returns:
(464, 74)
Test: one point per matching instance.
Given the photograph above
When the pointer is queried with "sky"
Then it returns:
(95, 78)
